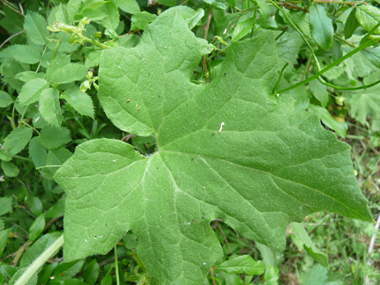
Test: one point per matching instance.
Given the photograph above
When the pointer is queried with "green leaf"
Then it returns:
(321, 26)
(368, 17)
(194, 20)
(35, 27)
(56, 210)
(57, 157)
(37, 152)
(216, 4)
(9, 69)
(111, 21)
(27, 76)
(243, 264)
(31, 91)
(49, 107)
(288, 47)
(373, 55)
(315, 276)
(35, 206)
(271, 257)
(51, 137)
(351, 24)
(25, 54)
(12, 21)
(308, 245)
(107, 280)
(58, 14)
(80, 101)
(141, 20)
(91, 272)
(7, 271)
(47, 270)
(9, 169)
(72, 7)
(191, 16)
(66, 270)
(4, 239)
(300, 96)
(243, 28)
(339, 127)
(271, 275)
(320, 92)
(4, 155)
(18, 139)
(129, 6)
(365, 103)
(265, 10)
(5, 99)
(105, 12)
(300, 19)
(68, 73)
(37, 227)
(243, 171)
(5, 205)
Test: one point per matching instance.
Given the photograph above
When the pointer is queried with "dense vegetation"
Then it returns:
(203, 142)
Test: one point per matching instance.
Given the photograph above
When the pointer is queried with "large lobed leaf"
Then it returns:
(268, 166)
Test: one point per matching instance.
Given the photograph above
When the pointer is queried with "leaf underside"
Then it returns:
(268, 166)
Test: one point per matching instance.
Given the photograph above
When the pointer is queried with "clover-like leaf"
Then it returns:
(228, 150)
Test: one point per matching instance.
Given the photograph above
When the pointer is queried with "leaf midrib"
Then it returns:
(272, 175)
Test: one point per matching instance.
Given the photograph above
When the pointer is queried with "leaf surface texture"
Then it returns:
(267, 166)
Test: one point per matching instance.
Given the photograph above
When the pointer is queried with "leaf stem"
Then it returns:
(22, 158)
(280, 76)
(116, 266)
(34, 129)
(11, 37)
(344, 41)
(40, 261)
(48, 166)
(55, 50)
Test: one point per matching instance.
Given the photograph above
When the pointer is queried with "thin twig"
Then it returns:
(51, 222)
(11, 37)
(21, 9)
(19, 253)
(346, 42)
(292, 6)
(212, 275)
(10, 6)
(225, 239)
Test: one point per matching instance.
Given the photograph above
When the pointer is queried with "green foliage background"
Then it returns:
(124, 77)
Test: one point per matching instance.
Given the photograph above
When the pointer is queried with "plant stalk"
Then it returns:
(40, 261)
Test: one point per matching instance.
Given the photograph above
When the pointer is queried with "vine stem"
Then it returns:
(327, 68)
(40, 261)
(317, 66)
